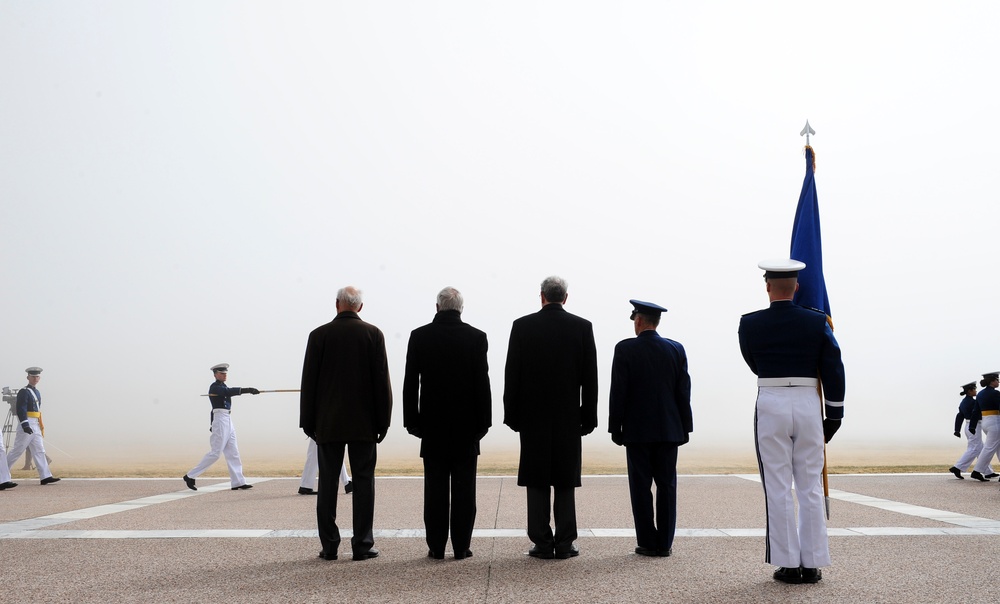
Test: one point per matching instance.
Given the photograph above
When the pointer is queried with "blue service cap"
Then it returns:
(33, 370)
(645, 308)
(781, 268)
(967, 387)
(220, 368)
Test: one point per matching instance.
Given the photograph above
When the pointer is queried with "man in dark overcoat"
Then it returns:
(650, 414)
(550, 399)
(447, 404)
(346, 401)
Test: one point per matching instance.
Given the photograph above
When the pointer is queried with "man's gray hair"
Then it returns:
(554, 289)
(349, 298)
(450, 298)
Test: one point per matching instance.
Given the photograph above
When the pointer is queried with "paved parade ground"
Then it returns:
(894, 538)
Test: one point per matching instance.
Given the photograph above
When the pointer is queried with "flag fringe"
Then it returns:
(809, 147)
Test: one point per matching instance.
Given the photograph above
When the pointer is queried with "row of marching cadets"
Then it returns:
(979, 415)
(28, 434)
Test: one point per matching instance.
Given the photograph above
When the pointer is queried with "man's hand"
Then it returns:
(616, 437)
(957, 435)
(830, 427)
(250, 390)
(27, 429)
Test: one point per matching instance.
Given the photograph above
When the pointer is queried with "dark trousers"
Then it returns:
(331, 458)
(563, 509)
(450, 500)
(650, 463)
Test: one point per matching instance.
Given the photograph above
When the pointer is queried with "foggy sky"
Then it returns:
(186, 184)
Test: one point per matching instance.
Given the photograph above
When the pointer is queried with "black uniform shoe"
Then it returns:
(349, 487)
(7, 485)
(956, 472)
(242, 487)
(991, 475)
(463, 555)
(664, 553)
(646, 551)
(788, 575)
(305, 491)
(372, 553)
(190, 482)
(811, 575)
(978, 476)
(544, 553)
(572, 552)
(50, 480)
(326, 556)
(436, 555)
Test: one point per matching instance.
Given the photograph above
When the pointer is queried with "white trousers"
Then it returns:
(223, 442)
(4, 468)
(990, 424)
(310, 472)
(789, 433)
(972, 450)
(33, 444)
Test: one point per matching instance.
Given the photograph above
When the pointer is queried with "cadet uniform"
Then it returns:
(310, 472)
(29, 437)
(965, 423)
(5, 482)
(989, 405)
(788, 347)
(223, 439)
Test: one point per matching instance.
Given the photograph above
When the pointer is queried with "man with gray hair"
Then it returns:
(447, 405)
(550, 399)
(346, 401)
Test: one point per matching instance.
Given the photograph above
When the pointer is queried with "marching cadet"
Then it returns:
(965, 423)
(29, 437)
(988, 400)
(223, 439)
(792, 350)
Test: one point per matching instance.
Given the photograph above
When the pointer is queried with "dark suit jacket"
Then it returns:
(346, 395)
(446, 388)
(550, 394)
(650, 390)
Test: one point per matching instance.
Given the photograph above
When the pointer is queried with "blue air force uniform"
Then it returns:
(650, 414)
(792, 350)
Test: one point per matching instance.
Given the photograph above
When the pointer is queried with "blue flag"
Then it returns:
(807, 245)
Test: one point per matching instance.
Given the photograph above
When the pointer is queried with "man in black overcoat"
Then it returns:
(447, 404)
(346, 401)
(550, 398)
(650, 414)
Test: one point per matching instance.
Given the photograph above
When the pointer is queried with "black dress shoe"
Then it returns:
(7, 485)
(572, 552)
(190, 482)
(372, 553)
(349, 487)
(326, 556)
(463, 555)
(991, 475)
(305, 491)
(544, 553)
(811, 575)
(646, 551)
(50, 480)
(436, 555)
(956, 472)
(788, 575)
(242, 487)
(665, 553)
(976, 475)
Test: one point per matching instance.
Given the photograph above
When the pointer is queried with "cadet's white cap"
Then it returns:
(33, 370)
(781, 268)
(223, 367)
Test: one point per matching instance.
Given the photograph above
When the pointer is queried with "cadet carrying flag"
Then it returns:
(807, 245)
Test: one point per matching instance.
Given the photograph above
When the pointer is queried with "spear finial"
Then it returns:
(807, 130)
